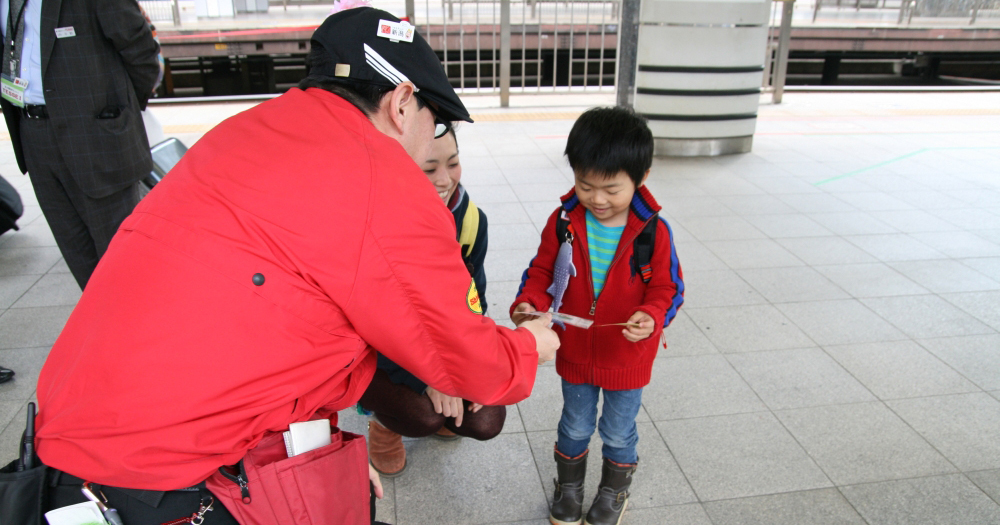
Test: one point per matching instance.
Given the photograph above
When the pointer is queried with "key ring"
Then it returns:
(198, 517)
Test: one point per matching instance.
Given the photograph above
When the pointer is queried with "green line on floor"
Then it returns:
(890, 161)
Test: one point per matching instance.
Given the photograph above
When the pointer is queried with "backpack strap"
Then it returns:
(469, 230)
(642, 249)
(564, 230)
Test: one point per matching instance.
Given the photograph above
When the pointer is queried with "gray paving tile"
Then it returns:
(814, 203)
(12, 287)
(687, 207)
(684, 338)
(839, 322)
(784, 185)
(922, 316)
(988, 266)
(30, 235)
(54, 289)
(914, 221)
(959, 244)
(963, 427)
(939, 500)
(895, 247)
(692, 514)
(851, 223)
(969, 219)
(60, 267)
(748, 328)
(658, 480)
(499, 296)
(988, 481)
(975, 357)
(798, 378)
(788, 225)
(899, 369)
(796, 284)
(813, 507)
(484, 194)
(873, 201)
(506, 265)
(385, 508)
(825, 250)
(946, 276)
(524, 161)
(720, 228)
(862, 443)
(28, 261)
(870, 280)
(498, 475)
(505, 213)
(696, 386)
(26, 362)
(12, 421)
(548, 192)
(717, 288)
(697, 257)
(32, 327)
(728, 185)
(512, 237)
(740, 455)
(981, 305)
(928, 199)
(753, 253)
(749, 206)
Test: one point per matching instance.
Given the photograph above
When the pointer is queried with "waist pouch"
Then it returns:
(325, 486)
(21, 494)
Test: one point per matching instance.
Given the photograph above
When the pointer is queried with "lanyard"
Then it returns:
(16, 26)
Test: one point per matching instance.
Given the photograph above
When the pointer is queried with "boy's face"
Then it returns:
(607, 198)
(442, 166)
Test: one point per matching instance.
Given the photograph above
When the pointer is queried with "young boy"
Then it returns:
(619, 258)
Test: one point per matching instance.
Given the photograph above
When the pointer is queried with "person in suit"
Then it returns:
(76, 74)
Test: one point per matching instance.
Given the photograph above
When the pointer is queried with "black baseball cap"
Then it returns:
(372, 46)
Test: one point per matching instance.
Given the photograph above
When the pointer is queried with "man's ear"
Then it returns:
(402, 102)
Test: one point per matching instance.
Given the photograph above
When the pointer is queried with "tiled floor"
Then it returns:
(837, 359)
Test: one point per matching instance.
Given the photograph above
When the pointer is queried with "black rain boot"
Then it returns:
(567, 502)
(612, 494)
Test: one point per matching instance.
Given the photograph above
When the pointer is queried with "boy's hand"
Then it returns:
(446, 405)
(546, 341)
(644, 330)
(519, 311)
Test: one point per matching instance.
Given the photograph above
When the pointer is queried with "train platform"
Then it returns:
(837, 358)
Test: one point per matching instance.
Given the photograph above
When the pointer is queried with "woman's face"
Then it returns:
(442, 166)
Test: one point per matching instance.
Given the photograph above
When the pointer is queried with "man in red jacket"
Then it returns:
(252, 286)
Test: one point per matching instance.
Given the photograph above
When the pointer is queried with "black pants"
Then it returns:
(65, 490)
(82, 225)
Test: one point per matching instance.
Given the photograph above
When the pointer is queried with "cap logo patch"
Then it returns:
(342, 70)
(395, 31)
(383, 66)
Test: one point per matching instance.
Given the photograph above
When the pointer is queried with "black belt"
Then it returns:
(33, 111)
(149, 497)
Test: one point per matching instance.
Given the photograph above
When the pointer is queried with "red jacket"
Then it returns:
(175, 361)
(601, 355)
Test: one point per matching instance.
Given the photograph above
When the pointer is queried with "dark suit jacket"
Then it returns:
(110, 63)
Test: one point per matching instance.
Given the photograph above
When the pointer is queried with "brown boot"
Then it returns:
(385, 450)
(445, 435)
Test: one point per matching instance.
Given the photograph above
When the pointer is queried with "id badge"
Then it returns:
(13, 90)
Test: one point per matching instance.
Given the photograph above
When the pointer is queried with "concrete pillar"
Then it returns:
(699, 67)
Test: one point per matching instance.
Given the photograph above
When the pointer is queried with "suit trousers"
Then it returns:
(82, 226)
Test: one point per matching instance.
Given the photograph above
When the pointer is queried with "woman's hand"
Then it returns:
(376, 481)
(446, 405)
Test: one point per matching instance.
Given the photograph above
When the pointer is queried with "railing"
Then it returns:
(908, 9)
(162, 11)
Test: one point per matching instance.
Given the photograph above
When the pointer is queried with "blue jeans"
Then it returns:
(617, 425)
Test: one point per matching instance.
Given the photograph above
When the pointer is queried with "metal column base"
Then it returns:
(701, 147)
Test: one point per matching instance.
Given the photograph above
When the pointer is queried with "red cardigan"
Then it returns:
(177, 360)
(601, 355)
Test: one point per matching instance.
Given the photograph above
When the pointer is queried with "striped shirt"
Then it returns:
(602, 242)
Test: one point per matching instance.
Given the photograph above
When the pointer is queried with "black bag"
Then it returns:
(11, 208)
(22, 481)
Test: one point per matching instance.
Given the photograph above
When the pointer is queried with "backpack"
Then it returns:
(11, 208)
(642, 246)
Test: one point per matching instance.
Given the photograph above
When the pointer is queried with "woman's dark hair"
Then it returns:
(363, 95)
(606, 141)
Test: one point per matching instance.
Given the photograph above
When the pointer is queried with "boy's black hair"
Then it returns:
(606, 141)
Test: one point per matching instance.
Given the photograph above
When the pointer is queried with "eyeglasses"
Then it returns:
(441, 126)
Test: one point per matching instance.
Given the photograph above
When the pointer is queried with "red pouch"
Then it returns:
(325, 486)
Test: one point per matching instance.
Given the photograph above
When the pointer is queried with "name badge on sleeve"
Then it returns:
(65, 32)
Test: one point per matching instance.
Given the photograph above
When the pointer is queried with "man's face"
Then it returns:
(418, 134)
